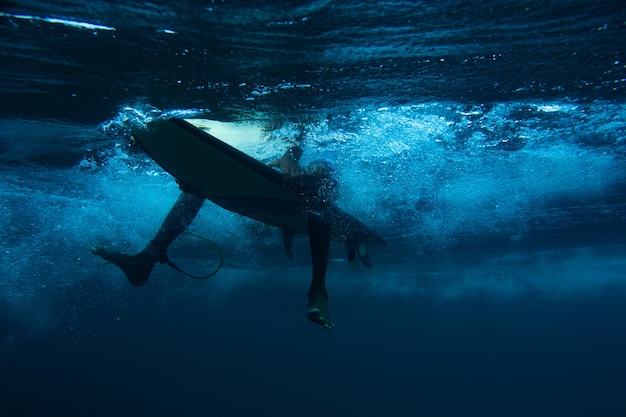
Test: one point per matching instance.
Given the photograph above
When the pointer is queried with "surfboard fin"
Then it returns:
(357, 249)
(351, 255)
(288, 235)
(137, 268)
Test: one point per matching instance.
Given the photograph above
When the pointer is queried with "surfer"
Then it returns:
(314, 184)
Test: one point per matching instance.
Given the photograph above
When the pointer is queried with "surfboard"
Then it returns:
(236, 181)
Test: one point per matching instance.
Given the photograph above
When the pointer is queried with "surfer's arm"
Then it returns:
(289, 163)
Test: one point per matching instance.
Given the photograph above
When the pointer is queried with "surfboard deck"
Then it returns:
(236, 181)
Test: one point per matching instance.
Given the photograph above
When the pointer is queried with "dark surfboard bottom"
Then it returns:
(294, 216)
(236, 181)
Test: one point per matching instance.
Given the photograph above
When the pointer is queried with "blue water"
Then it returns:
(486, 141)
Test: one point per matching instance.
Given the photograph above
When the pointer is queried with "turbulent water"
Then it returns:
(485, 141)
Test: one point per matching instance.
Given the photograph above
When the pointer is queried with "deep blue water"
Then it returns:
(484, 140)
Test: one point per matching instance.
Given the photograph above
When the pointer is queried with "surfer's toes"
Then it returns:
(137, 268)
(107, 255)
(316, 316)
(97, 251)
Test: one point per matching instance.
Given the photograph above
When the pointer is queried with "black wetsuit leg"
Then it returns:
(319, 244)
(138, 267)
(177, 220)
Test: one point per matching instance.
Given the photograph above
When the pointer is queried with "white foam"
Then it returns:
(54, 20)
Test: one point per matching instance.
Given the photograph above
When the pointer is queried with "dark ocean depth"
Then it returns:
(485, 141)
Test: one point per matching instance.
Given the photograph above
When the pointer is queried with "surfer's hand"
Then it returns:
(287, 165)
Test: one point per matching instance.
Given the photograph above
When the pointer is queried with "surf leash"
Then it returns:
(217, 248)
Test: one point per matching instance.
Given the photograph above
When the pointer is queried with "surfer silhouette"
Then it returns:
(303, 201)
(311, 183)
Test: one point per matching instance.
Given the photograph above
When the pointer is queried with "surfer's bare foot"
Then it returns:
(318, 311)
(137, 268)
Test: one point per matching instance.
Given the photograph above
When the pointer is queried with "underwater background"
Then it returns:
(485, 141)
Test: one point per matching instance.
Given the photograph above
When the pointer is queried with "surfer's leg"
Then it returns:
(319, 243)
(178, 219)
(138, 267)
